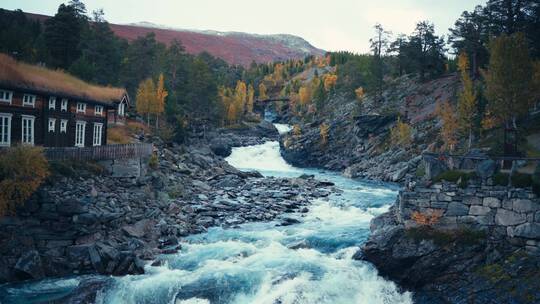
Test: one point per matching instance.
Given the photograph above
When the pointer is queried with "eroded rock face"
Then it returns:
(447, 268)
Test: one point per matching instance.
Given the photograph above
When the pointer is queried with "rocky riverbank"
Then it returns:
(473, 243)
(93, 223)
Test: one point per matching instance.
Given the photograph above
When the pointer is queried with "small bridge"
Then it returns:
(261, 104)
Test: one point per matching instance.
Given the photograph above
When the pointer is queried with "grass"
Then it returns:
(118, 135)
(464, 236)
(42, 79)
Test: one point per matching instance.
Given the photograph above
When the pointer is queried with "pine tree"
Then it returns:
(509, 79)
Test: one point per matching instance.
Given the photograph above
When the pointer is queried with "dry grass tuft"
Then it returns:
(22, 75)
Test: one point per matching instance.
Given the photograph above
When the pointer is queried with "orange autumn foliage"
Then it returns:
(22, 170)
(428, 218)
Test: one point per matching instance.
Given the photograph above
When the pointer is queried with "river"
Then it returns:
(310, 262)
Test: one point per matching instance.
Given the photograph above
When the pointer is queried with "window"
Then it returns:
(80, 128)
(5, 129)
(52, 124)
(29, 100)
(64, 104)
(99, 110)
(28, 129)
(81, 107)
(5, 96)
(121, 109)
(52, 103)
(98, 127)
(63, 125)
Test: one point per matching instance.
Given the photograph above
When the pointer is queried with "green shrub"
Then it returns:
(421, 170)
(519, 180)
(22, 170)
(536, 180)
(153, 162)
(501, 179)
(455, 176)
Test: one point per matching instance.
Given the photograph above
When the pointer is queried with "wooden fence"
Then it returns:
(108, 152)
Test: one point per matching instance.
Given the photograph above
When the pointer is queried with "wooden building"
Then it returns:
(50, 108)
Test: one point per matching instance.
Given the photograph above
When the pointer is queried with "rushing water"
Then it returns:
(255, 262)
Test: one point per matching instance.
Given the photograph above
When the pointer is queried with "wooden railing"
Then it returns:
(109, 152)
(470, 162)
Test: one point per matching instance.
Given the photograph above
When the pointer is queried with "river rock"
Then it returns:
(30, 264)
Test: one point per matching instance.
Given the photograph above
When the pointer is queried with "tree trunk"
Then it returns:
(148, 119)
(157, 121)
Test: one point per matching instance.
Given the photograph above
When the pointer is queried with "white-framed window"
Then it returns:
(6, 96)
(52, 124)
(5, 129)
(98, 128)
(80, 128)
(81, 107)
(98, 110)
(64, 105)
(52, 103)
(28, 129)
(29, 100)
(121, 109)
(63, 125)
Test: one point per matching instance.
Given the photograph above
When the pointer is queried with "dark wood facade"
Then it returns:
(49, 120)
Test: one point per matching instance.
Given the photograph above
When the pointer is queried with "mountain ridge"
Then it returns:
(234, 47)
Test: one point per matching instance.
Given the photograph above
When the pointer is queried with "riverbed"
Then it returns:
(308, 262)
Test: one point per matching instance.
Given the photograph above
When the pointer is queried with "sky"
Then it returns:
(329, 25)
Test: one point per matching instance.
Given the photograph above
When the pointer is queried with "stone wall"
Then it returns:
(506, 214)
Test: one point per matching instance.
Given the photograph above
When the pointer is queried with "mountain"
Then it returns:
(233, 47)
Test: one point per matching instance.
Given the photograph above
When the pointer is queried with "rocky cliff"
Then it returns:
(359, 137)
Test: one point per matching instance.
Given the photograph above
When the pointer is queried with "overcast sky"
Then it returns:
(330, 25)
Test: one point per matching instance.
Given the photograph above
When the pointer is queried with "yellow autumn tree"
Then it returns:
(146, 98)
(262, 92)
(330, 81)
(161, 94)
(323, 131)
(250, 98)
(446, 113)
(227, 100)
(304, 96)
(240, 97)
(401, 134)
(297, 131)
(467, 104)
(22, 170)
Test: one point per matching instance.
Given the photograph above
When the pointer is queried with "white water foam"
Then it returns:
(265, 157)
(283, 128)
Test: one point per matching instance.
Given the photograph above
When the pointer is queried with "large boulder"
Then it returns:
(221, 146)
(29, 265)
(434, 166)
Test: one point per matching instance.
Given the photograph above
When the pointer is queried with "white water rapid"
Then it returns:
(256, 263)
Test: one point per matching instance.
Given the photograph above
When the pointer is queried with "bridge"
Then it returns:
(260, 105)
